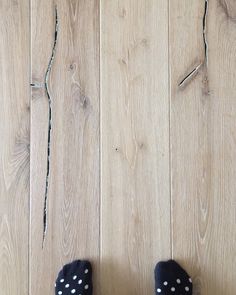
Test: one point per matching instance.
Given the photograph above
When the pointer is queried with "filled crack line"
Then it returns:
(46, 79)
(190, 75)
(193, 72)
(204, 31)
(36, 85)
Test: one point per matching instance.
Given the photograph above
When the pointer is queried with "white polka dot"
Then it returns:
(74, 277)
(190, 280)
(165, 283)
(178, 281)
(67, 286)
(172, 289)
(62, 280)
(55, 284)
(187, 288)
(86, 270)
(158, 290)
(73, 291)
(59, 292)
(86, 287)
(80, 282)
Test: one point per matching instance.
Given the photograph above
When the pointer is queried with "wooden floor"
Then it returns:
(118, 142)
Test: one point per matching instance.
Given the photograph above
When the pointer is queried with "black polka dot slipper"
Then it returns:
(75, 278)
(171, 278)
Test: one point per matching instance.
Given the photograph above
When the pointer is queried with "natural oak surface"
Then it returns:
(118, 142)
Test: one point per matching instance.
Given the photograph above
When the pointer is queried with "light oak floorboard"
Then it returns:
(203, 125)
(73, 179)
(14, 146)
(135, 196)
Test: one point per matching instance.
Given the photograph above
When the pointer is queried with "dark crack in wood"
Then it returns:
(189, 76)
(193, 72)
(204, 29)
(47, 75)
(36, 85)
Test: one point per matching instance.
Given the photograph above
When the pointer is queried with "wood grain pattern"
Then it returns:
(73, 195)
(203, 145)
(140, 157)
(14, 147)
(135, 211)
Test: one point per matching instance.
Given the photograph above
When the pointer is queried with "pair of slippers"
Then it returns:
(76, 278)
